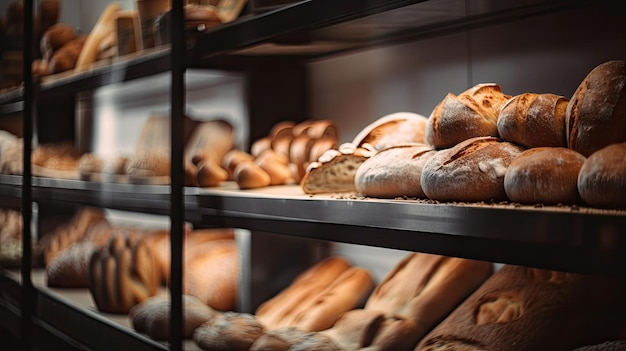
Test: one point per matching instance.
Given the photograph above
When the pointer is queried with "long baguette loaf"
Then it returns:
(102, 29)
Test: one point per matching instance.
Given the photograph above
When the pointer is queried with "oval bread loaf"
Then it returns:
(474, 113)
(393, 129)
(545, 175)
(471, 171)
(602, 178)
(393, 172)
(534, 120)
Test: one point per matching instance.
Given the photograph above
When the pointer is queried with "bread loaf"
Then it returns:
(229, 331)
(104, 27)
(601, 181)
(393, 172)
(534, 120)
(393, 129)
(474, 113)
(293, 339)
(54, 38)
(522, 308)
(152, 316)
(471, 171)
(212, 274)
(70, 268)
(544, 175)
(122, 275)
(596, 113)
(249, 175)
(335, 170)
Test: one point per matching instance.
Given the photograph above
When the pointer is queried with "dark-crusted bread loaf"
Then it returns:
(602, 178)
(596, 113)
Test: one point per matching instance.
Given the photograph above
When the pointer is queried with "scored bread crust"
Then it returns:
(520, 308)
(393, 129)
(534, 120)
(473, 113)
(471, 171)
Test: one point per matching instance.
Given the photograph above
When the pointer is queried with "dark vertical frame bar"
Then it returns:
(177, 93)
(28, 300)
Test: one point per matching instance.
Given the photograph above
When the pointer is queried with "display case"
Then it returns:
(348, 61)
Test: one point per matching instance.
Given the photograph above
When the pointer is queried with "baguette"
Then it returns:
(102, 29)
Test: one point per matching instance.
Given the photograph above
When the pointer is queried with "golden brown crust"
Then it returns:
(520, 308)
(595, 113)
(473, 113)
(229, 331)
(249, 175)
(393, 129)
(544, 175)
(534, 120)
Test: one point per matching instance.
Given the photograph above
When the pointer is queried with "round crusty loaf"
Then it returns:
(545, 175)
(229, 331)
(152, 316)
(520, 309)
(474, 113)
(534, 120)
(393, 129)
(596, 113)
(471, 171)
(602, 180)
(393, 172)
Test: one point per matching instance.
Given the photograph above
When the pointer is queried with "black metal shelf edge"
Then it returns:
(353, 24)
(564, 238)
(151, 199)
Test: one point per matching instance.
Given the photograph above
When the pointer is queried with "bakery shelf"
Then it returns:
(152, 199)
(564, 238)
(72, 312)
(315, 28)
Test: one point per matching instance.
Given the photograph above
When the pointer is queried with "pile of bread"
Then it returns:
(426, 302)
(485, 145)
(124, 265)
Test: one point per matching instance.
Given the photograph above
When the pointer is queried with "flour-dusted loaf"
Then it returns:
(602, 178)
(521, 309)
(152, 316)
(394, 171)
(596, 113)
(228, 331)
(393, 129)
(544, 175)
(472, 170)
(534, 120)
(473, 113)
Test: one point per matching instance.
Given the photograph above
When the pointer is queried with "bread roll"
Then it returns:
(210, 174)
(103, 28)
(393, 172)
(473, 170)
(229, 331)
(249, 175)
(152, 316)
(602, 181)
(393, 129)
(293, 339)
(596, 113)
(544, 175)
(233, 158)
(522, 308)
(534, 120)
(474, 113)
(277, 166)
